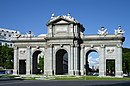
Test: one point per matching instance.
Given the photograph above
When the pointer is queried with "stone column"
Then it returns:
(48, 68)
(118, 62)
(85, 60)
(76, 59)
(54, 60)
(71, 60)
(50, 71)
(28, 61)
(15, 70)
(102, 61)
(82, 60)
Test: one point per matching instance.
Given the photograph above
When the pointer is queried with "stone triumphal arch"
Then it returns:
(65, 47)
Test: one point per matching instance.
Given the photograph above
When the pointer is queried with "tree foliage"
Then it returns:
(41, 63)
(126, 60)
(6, 57)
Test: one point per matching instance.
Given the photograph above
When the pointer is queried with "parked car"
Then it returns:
(2, 71)
(95, 74)
(125, 75)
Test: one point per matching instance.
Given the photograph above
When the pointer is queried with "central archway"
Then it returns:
(61, 62)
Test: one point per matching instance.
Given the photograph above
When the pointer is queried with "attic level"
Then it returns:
(64, 26)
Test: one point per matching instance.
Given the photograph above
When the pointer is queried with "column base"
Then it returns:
(48, 72)
(28, 72)
(102, 73)
(119, 74)
(81, 72)
(76, 72)
(71, 72)
(15, 72)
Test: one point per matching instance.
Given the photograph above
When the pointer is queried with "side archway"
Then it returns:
(61, 62)
(35, 61)
(91, 62)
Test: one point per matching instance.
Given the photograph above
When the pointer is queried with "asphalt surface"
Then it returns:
(63, 83)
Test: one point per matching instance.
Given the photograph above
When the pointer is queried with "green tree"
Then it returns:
(6, 57)
(126, 60)
(41, 63)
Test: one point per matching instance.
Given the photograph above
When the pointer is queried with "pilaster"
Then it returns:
(118, 61)
(82, 60)
(102, 61)
(71, 60)
(51, 53)
(48, 64)
(28, 61)
(15, 70)
(76, 60)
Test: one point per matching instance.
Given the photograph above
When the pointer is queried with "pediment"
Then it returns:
(61, 20)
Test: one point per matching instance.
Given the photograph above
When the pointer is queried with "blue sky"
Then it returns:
(25, 15)
(93, 59)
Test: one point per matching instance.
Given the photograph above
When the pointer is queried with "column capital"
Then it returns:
(82, 46)
(51, 45)
(37, 47)
(46, 46)
(76, 45)
(15, 47)
(72, 45)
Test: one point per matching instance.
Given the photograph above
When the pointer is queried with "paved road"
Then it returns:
(63, 83)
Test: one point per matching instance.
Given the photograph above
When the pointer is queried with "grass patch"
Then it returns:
(67, 78)
(89, 78)
(43, 77)
(8, 75)
(29, 78)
